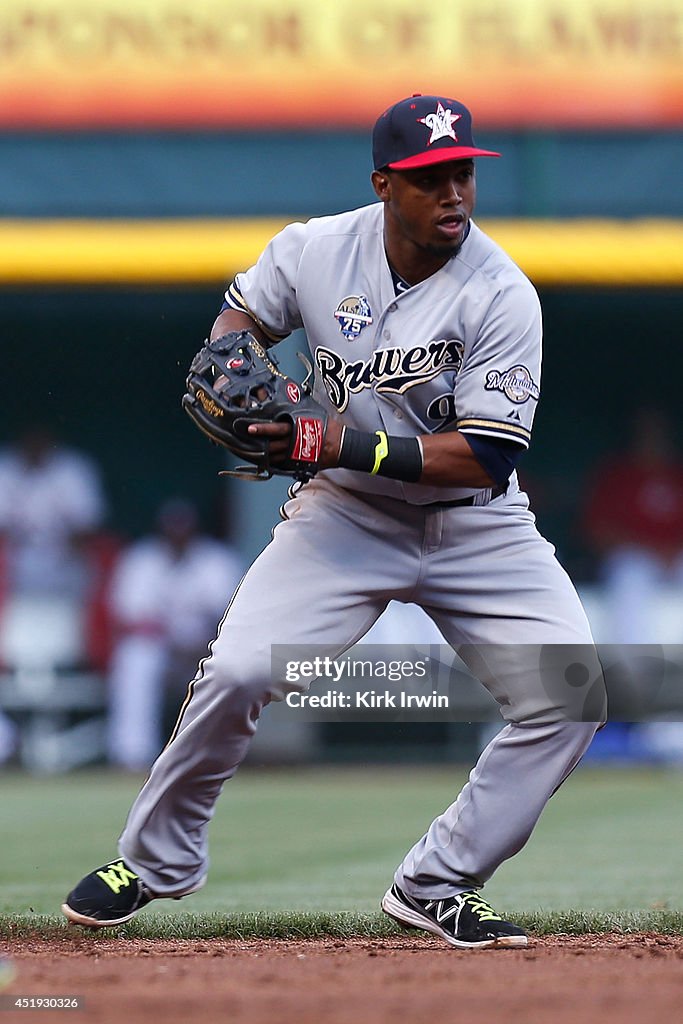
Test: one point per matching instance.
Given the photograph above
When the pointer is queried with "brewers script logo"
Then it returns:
(516, 383)
(388, 370)
(441, 123)
(353, 314)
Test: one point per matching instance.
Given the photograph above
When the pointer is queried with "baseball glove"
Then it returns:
(233, 382)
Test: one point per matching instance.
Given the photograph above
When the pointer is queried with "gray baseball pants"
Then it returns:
(486, 577)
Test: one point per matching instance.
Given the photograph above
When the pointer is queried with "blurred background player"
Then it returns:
(634, 522)
(52, 505)
(167, 592)
(51, 501)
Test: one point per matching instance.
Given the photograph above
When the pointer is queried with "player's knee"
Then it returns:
(241, 681)
(564, 683)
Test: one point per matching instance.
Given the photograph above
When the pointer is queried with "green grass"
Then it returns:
(296, 851)
(291, 925)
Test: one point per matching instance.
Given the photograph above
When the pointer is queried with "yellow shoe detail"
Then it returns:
(117, 876)
(480, 907)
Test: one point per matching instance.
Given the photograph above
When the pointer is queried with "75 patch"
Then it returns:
(353, 314)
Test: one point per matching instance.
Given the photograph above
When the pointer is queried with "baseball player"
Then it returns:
(426, 344)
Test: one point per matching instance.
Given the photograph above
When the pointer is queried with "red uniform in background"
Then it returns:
(634, 521)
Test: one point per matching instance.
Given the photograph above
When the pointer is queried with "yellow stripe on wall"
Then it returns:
(129, 252)
(551, 252)
(594, 252)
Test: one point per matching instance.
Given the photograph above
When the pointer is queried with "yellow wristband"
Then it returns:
(381, 451)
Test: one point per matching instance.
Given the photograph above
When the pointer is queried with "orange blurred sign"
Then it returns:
(282, 63)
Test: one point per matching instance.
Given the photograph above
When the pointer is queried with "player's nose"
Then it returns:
(450, 192)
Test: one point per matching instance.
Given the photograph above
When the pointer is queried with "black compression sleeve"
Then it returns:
(399, 458)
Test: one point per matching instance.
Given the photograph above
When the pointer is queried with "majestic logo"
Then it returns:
(388, 370)
(440, 123)
(516, 383)
(353, 314)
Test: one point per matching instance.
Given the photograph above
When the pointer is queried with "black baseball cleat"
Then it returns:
(108, 896)
(466, 920)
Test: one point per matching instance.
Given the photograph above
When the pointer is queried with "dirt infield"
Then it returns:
(561, 979)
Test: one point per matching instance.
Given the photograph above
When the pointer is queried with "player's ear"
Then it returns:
(381, 182)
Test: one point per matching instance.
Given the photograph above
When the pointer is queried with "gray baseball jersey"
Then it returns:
(461, 350)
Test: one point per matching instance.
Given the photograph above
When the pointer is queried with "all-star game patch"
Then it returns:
(517, 384)
(353, 314)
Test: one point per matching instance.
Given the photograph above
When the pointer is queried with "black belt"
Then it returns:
(497, 492)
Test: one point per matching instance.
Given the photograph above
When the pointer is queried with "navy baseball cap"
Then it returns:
(423, 130)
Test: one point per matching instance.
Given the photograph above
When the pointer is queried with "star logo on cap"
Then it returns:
(440, 123)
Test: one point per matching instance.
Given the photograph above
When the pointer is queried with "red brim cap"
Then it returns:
(440, 156)
(424, 130)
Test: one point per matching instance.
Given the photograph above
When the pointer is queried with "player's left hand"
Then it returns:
(280, 435)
